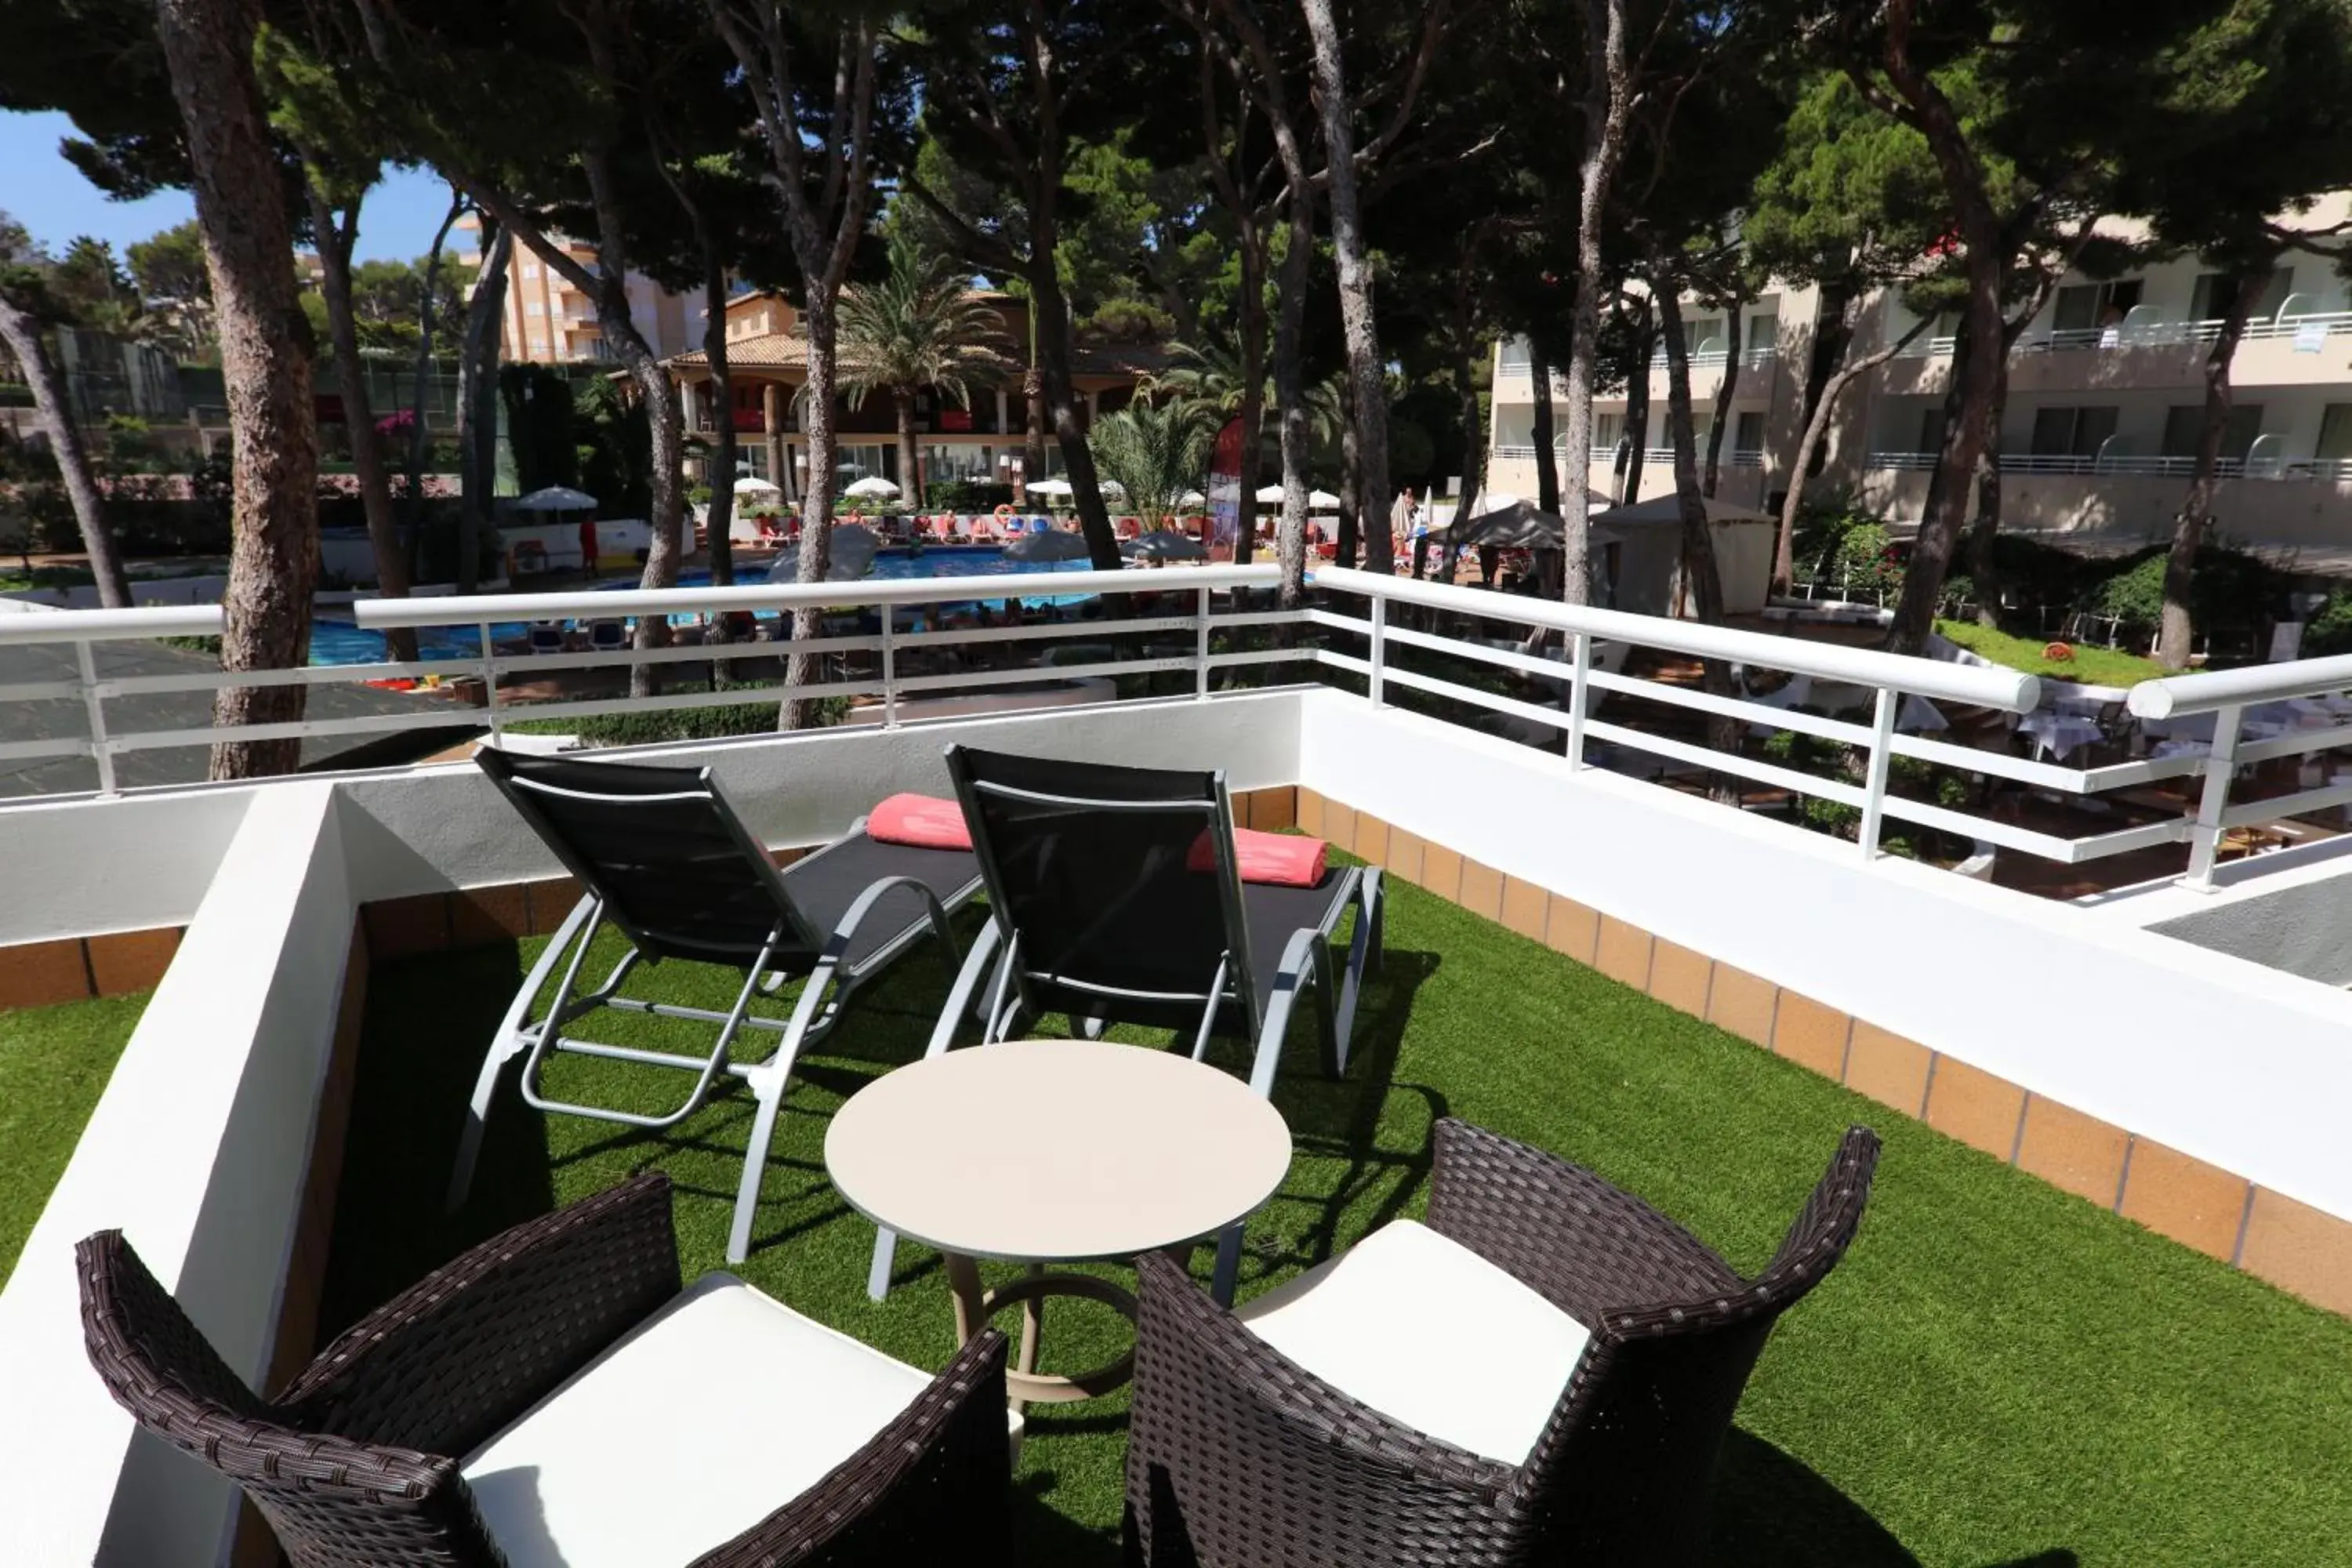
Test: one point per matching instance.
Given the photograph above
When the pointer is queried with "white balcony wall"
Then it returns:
(198, 1151)
(2236, 1064)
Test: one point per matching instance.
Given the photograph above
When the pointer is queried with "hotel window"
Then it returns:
(1763, 331)
(1931, 429)
(2072, 431)
(1608, 430)
(2089, 305)
(2184, 423)
(2336, 433)
(1515, 356)
(530, 269)
(534, 307)
(2215, 290)
(1747, 435)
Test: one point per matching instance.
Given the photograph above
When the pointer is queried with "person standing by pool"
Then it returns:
(588, 544)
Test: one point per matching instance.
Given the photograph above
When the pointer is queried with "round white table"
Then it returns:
(1044, 1152)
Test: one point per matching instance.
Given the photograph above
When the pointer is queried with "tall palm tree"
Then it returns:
(921, 326)
(1155, 452)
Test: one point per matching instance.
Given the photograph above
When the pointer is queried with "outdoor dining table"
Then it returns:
(1054, 1152)
(2059, 735)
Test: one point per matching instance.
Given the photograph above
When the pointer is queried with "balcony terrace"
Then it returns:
(2097, 1291)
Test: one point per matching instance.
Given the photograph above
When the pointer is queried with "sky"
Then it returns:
(49, 196)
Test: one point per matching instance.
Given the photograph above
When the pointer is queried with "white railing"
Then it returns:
(906, 663)
(2311, 326)
(1844, 678)
(2332, 470)
(2295, 709)
(888, 665)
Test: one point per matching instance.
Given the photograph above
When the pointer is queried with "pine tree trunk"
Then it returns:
(1253, 409)
(1700, 578)
(335, 242)
(1053, 321)
(1977, 364)
(477, 395)
(1540, 431)
(911, 482)
(1815, 437)
(1367, 372)
(1033, 419)
(29, 344)
(820, 322)
(420, 424)
(1715, 430)
(1351, 478)
(1637, 404)
(1607, 100)
(721, 511)
(1290, 388)
(2176, 630)
(1982, 572)
(265, 371)
(1474, 445)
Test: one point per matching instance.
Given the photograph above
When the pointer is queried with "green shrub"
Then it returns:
(2231, 588)
(2330, 630)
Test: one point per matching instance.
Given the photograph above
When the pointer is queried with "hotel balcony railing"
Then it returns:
(1450, 621)
(1706, 356)
(2328, 469)
(1736, 458)
(2310, 329)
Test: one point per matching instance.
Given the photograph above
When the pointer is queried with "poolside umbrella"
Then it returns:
(1051, 489)
(876, 487)
(748, 486)
(1322, 500)
(1165, 544)
(554, 498)
(1054, 545)
(1493, 502)
(1269, 495)
(1192, 498)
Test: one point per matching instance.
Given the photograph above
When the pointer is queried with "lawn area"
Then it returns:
(53, 1063)
(1998, 1375)
(2092, 666)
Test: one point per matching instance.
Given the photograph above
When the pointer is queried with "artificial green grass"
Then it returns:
(2092, 666)
(53, 1063)
(1999, 1373)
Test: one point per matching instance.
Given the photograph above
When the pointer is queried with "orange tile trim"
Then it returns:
(66, 969)
(2307, 1252)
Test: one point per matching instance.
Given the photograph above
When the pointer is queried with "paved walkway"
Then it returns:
(64, 718)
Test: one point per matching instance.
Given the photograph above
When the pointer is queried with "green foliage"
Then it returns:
(540, 427)
(614, 453)
(2231, 588)
(1840, 548)
(968, 495)
(2330, 630)
(920, 325)
(1155, 452)
(756, 716)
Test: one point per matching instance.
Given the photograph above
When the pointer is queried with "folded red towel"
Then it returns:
(1279, 859)
(923, 820)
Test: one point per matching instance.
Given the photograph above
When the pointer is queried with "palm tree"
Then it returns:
(1155, 452)
(1209, 379)
(921, 326)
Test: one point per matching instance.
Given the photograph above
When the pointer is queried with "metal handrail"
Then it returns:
(2010, 692)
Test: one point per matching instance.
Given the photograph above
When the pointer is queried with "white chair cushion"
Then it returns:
(1427, 1332)
(708, 1417)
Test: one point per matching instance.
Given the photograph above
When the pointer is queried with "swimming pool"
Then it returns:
(342, 642)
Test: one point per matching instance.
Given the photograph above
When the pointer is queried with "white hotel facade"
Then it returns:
(2106, 392)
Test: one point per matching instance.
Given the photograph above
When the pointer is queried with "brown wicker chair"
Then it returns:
(1239, 1456)
(356, 1462)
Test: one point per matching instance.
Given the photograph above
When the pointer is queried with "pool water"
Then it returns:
(342, 642)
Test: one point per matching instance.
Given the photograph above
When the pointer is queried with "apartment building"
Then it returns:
(2105, 400)
(548, 318)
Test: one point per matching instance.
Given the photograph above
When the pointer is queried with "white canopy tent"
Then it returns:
(554, 498)
(1647, 574)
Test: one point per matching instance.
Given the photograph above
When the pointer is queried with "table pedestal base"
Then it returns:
(974, 1306)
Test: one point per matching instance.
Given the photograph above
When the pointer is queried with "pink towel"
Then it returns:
(923, 820)
(1279, 859)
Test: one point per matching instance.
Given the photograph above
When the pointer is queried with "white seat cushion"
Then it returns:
(1427, 1332)
(708, 1417)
